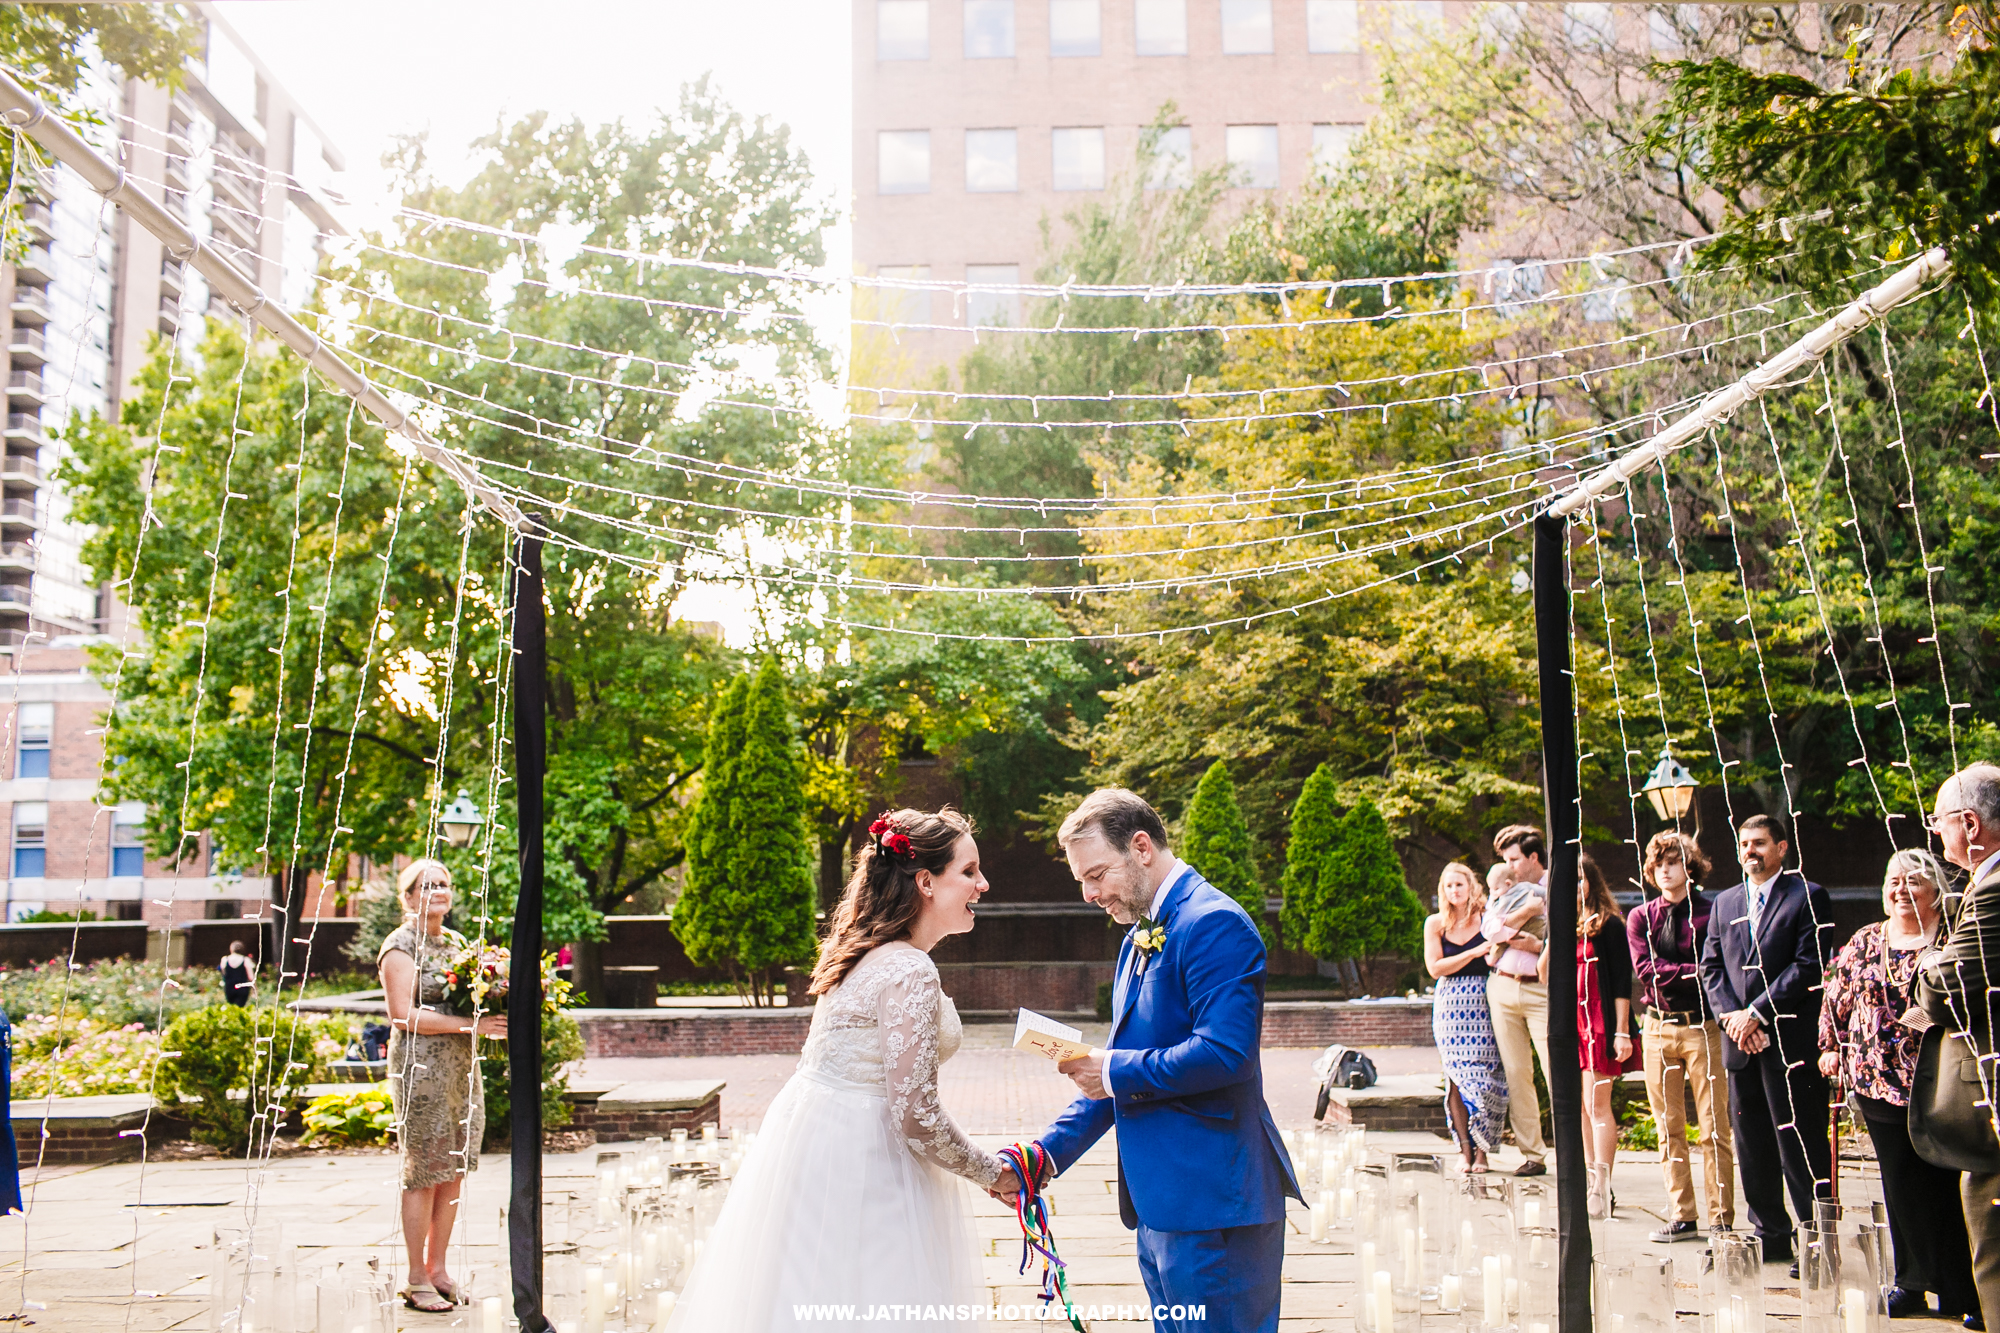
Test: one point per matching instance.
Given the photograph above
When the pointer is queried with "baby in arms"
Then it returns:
(1516, 921)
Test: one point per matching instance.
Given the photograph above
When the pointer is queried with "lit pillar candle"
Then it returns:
(1367, 1299)
(1317, 1223)
(1464, 1242)
(1513, 1295)
(492, 1320)
(1411, 1273)
(1328, 1168)
(1531, 1212)
(1853, 1311)
(651, 1250)
(593, 1300)
(666, 1312)
(1492, 1293)
(1347, 1204)
(1450, 1296)
(1385, 1303)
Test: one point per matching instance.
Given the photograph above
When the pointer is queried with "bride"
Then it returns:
(851, 1197)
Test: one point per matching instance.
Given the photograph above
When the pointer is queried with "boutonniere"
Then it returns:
(1148, 937)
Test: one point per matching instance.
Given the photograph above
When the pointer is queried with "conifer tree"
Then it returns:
(771, 848)
(1371, 911)
(1215, 840)
(702, 913)
(1315, 828)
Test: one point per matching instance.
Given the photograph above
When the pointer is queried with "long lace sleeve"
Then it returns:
(907, 1009)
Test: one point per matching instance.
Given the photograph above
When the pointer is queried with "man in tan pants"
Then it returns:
(1519, 1000)
(1682, 1042)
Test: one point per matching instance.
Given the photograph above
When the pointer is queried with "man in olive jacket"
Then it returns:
(1952, 1119)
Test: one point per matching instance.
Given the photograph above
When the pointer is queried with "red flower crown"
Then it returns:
(888, 838)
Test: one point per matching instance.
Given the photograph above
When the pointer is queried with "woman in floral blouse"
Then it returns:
(1867, 990)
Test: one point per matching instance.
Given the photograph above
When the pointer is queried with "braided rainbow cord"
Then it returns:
(1028, 1163)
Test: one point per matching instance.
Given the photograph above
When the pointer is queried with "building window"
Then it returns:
(1172, 167)
(1331, 145)
(989, 29)
(1246, 27)
(905, 305)
(1160, 27)
(128, 855)
(991, 161)
(903, 162)
(1333, 26)
(1588, 25)
(36, 726)
(1415, 18)
(1253, 156)
(992, 309)
(902, 29)
(1076, 28)
(1079, 158)
(31, 839)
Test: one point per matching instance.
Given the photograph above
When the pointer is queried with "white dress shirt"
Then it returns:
(1152, 914)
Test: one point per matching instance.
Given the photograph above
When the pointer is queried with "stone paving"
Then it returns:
(95, 1235)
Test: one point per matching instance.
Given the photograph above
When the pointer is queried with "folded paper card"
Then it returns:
(1044, 1036)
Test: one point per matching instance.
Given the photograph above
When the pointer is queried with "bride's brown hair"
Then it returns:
(881, 898)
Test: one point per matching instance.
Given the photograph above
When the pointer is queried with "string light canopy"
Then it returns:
(1670, 788)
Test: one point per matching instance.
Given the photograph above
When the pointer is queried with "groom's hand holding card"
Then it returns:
(1044, 1036)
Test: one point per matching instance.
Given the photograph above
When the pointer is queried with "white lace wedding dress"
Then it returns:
(855, 1193)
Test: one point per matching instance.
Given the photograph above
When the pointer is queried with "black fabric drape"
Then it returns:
(524, 990)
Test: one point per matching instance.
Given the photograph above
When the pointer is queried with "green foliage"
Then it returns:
(380, 916)
(1215, 840)
(1371, 911)
(362, 1117)
(562, 1046)
(747, 904)
(81, 1057)
(116, 992)
(1315, 826)
(45, 915)
(261, 1056)
(1821, 180)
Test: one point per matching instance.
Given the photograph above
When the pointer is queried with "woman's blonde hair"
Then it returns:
(1475, 902)
(1924, 863)
(417, 874)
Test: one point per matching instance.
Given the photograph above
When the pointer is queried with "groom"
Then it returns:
(1202, 1173)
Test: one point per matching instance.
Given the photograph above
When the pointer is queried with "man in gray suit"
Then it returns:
(1956, 994)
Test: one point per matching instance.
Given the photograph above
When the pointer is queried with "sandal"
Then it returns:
(423, 1297)
(451, 1291)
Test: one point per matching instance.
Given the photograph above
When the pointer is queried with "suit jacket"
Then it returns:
(1776, 975)
(1186, 1081)
(1951, 1116)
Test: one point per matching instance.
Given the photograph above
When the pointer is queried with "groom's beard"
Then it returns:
(1124, 894)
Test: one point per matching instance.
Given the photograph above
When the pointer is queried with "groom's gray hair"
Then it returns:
(1117, 814)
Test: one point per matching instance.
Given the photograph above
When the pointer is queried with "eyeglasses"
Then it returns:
(1935, 823)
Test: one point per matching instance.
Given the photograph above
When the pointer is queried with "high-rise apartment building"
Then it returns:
(232, 155)
(975, 120)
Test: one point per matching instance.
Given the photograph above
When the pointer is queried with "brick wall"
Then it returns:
(609, 1032)
(1351, 1023)
(613, 1126)
(1047, 987)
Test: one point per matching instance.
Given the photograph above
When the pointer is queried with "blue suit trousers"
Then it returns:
(1232, 1274)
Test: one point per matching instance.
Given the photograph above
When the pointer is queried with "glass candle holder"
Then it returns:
(1732, 1286)
(1841, 1277)
(1634, 1295)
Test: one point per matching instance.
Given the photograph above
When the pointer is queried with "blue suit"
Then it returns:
(1209, 1175)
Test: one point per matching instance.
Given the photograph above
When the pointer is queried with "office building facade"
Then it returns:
(231, 154)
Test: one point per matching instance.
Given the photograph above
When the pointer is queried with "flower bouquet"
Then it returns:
(476, 981)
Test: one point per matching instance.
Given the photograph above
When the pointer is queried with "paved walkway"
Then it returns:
(97, 1235)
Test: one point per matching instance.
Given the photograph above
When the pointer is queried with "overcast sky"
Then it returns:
(366, 70)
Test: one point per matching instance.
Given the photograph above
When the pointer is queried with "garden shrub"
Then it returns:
(80, 1057)
(364, 1116)
(207, 1054)
(562, 1045)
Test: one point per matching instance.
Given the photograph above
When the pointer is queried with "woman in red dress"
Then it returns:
(1605, 1047)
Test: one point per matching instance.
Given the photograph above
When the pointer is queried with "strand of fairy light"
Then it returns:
(1874, 603)
(579, 439)
(172, 899)
(18, 155)
(1931, 572)
(337, 321)
(1602, 587)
